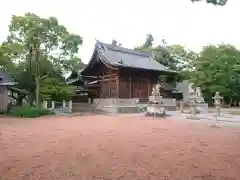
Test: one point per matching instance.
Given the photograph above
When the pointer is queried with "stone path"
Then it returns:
(224, 119)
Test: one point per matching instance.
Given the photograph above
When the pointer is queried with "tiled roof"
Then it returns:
(123, 57)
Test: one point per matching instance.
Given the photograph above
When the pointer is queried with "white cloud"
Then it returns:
(177, 21)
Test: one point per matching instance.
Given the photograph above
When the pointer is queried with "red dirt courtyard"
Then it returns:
(116, 148)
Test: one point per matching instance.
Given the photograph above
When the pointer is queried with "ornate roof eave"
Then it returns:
(97, 52)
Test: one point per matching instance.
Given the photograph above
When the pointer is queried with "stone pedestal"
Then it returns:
(155, 107)
(217, 101)
(181, 106)
(70, 106)
(193, 98)
(156, 110)
(155, 99)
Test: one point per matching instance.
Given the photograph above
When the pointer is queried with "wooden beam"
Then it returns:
(107, 80)
(140, 79)
(108, 76)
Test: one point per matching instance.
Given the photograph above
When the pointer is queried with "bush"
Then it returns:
(28, 111)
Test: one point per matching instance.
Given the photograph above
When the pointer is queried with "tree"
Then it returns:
(5, 61)
(164, 54)
(47, 49)
(116, 43)
(216, 70)
(175, 56)
(214, 2)
(8, 56)
(55, 90)
(148, 42)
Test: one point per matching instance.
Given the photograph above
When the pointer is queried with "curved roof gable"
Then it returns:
(123, 57)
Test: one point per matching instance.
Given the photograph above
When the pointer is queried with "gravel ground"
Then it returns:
(116, 148)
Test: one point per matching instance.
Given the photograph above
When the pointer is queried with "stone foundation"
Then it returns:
(112, 105)
(156, 110)
(82, 107)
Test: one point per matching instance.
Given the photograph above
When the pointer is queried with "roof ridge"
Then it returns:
(124, 50)
(123, 57)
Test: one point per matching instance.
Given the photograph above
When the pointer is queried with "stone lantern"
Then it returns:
(217, 102)
(193, 105)
(155, 104)
(193, 97)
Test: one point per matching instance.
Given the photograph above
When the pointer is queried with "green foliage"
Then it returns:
(29, 112)
(216, 70)
(56, 90)
(148, 42)
(38, 49)
(116, 43)
(7, 57)
(214, 2)
(175, 57)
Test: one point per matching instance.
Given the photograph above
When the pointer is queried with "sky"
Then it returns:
(128, 21)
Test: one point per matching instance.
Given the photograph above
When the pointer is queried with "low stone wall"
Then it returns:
(169, 104)
(113, 105)
(82, 107)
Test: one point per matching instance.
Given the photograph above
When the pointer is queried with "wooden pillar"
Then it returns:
(130, 87)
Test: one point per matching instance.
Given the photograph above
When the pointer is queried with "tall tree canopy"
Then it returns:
(215, 2)
(217, 69)
(116, 43)
(175, 57)
(148, 42)
(39, 49)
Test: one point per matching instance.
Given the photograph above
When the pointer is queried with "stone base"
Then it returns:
(156, 114)
(156, 111)
(155, 99)
(193, 118)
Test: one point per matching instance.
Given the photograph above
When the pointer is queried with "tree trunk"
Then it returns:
(37, 79)
(37, 91)
(30, 95)
(31, 98)
(230, 102)
(19, 100)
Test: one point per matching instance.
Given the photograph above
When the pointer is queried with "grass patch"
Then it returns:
(28, 112)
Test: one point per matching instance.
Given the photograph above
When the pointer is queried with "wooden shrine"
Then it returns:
(117, 72)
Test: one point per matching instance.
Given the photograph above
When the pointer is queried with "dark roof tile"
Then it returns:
(124, 57)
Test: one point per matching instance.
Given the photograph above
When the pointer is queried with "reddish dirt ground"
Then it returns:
(116, 148)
